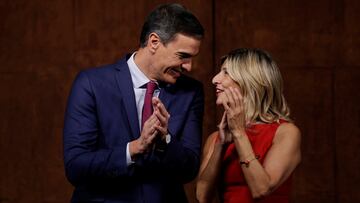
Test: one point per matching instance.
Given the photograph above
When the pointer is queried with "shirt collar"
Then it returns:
(138, 78)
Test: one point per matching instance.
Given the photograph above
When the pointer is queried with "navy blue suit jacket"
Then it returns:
(101, 118)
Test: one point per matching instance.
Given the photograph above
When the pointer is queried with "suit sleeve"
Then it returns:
(83, 158)
(182, 157)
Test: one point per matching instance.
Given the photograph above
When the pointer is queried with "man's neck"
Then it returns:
(142, 59)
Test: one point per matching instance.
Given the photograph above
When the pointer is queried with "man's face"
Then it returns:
(174, 58)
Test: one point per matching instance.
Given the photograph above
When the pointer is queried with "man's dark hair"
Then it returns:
(167, 20)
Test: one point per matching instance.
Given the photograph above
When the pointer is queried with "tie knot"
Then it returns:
(150, 87)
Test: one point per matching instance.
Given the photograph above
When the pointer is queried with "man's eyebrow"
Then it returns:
(184, 55)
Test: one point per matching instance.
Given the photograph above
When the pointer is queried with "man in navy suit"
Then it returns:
(109, 155)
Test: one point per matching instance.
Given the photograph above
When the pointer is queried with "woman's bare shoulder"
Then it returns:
(287, 131)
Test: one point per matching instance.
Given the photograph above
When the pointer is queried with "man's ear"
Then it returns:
(153, 42)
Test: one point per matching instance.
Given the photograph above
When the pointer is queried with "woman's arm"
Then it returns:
(209, 169)
(280, 161)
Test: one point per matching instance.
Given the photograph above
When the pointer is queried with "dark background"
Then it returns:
(43, 44)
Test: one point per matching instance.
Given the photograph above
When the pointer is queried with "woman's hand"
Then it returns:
(225, 135)
(234, 109)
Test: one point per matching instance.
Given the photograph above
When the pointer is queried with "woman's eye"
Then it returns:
(224, 70)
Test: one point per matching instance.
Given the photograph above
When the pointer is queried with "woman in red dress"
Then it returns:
(257, 147)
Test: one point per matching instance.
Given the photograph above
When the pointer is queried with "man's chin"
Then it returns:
(170, 79)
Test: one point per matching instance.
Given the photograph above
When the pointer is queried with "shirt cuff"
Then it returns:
(168, 138)
(129, 161)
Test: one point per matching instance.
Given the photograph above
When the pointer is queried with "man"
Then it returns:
(121, 145)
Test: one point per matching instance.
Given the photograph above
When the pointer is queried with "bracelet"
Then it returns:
(247, 161)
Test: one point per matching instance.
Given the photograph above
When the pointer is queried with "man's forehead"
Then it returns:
(183, 37)
(186, 45)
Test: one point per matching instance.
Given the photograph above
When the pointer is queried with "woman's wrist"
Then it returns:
(219, 141)
(246, 162)
(238, 134)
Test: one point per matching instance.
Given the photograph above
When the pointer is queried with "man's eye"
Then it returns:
(183, 55)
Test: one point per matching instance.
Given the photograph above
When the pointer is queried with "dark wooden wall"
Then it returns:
(43, 44)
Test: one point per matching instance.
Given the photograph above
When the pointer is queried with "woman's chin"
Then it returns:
(218, 102)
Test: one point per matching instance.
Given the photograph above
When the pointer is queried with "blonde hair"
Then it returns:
(260, 84)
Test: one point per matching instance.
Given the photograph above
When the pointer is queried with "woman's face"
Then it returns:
(223, 81)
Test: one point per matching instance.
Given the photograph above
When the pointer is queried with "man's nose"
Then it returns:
(187, 66)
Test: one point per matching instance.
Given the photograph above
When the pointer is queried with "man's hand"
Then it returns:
(163, 117)
(147, 137)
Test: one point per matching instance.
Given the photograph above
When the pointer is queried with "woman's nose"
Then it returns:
(216, 79)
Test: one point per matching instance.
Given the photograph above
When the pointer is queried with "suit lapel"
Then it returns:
(123, 79)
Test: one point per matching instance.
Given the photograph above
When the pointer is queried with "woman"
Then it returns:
(257, 147)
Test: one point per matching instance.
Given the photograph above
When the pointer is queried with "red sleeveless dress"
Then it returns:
(234, 188)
